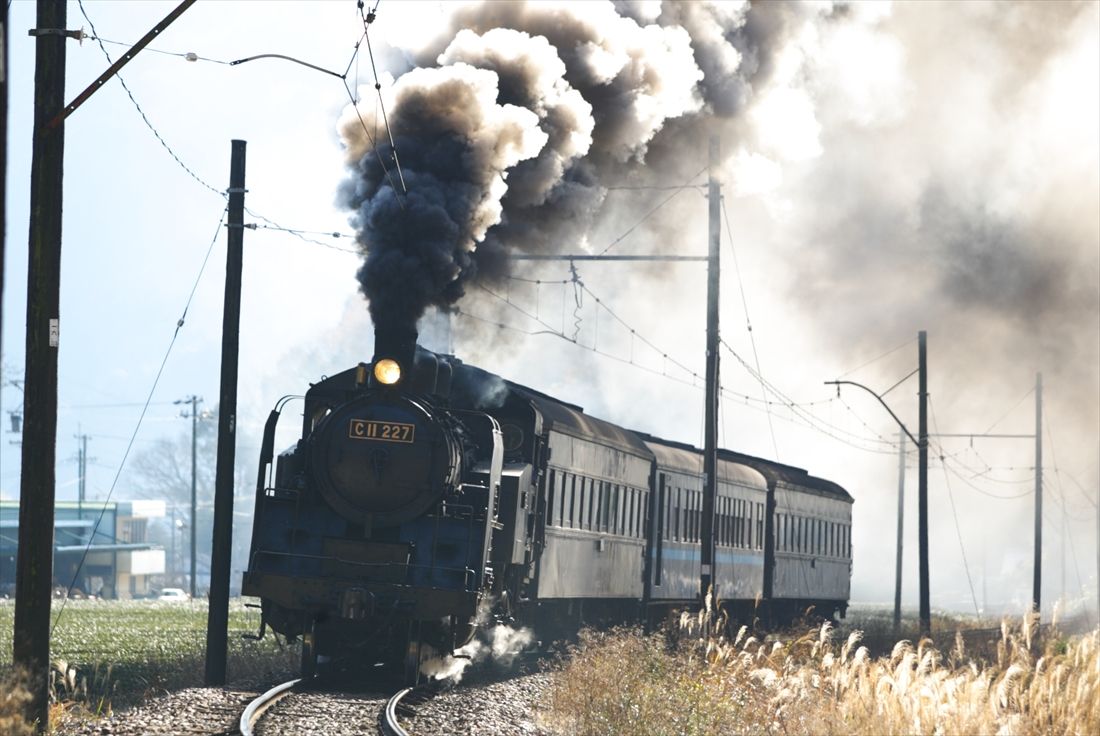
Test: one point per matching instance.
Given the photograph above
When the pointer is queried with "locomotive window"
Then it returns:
(512, 437)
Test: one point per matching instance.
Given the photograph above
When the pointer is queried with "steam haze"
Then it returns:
(885, 168)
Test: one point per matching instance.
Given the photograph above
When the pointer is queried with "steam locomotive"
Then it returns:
(427, 498)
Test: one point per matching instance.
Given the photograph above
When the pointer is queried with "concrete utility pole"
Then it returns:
(82, 472)
(922, 483)
(710, 431)
(1037, 569)
(217, 623)
(34, 568)
(194, 401)
(901, 529)
(921, 441)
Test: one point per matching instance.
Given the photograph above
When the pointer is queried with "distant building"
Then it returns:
(119, 561)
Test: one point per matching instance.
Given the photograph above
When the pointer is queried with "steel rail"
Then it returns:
(390, 724)
(257, 707)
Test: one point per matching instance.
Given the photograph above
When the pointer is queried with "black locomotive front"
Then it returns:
(371, 539)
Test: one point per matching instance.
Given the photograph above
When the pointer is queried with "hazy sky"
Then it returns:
(889, 168)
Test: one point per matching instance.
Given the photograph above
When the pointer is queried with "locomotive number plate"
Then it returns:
(362, 429)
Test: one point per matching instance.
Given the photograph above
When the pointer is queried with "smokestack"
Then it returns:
(396, 342)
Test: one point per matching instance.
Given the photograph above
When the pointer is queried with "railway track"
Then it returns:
(312, 706)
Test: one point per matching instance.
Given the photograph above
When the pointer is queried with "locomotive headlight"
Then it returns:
(387, 371)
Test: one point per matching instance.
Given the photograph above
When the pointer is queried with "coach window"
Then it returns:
(585, 503)
(566, 499)
(563, 487)
(608, 505)
(678, 532)
(695, 516)
(555, 497)
(637, 508)
(724, 521)
(616, 510)
(593, 504)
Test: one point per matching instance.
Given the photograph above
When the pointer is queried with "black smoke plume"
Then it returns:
(512, 124)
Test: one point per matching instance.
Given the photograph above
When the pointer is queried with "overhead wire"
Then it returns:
(650, 213)
(367, 21)
(796, 408)
(156, 133)
(748, 321)
(876, 359)
(188, 55)
(955, 515)
(148, 123)
(812, 420)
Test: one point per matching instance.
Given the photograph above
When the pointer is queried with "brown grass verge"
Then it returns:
(701, 682)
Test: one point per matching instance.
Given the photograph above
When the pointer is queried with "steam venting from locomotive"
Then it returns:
(512, 124)
(888, 177)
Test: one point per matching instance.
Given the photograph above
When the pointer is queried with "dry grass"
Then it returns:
(707, 683)
(14, 697)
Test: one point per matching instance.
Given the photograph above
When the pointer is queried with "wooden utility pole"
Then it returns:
(901, 529)
(34, 569)
(37, 491)
(217, 625)
(1037, 569)
(710, 418)
(3, 152)
(922, 484)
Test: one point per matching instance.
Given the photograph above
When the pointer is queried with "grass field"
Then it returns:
(115, 653)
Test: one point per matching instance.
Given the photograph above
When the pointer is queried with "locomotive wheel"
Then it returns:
(309, 652)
